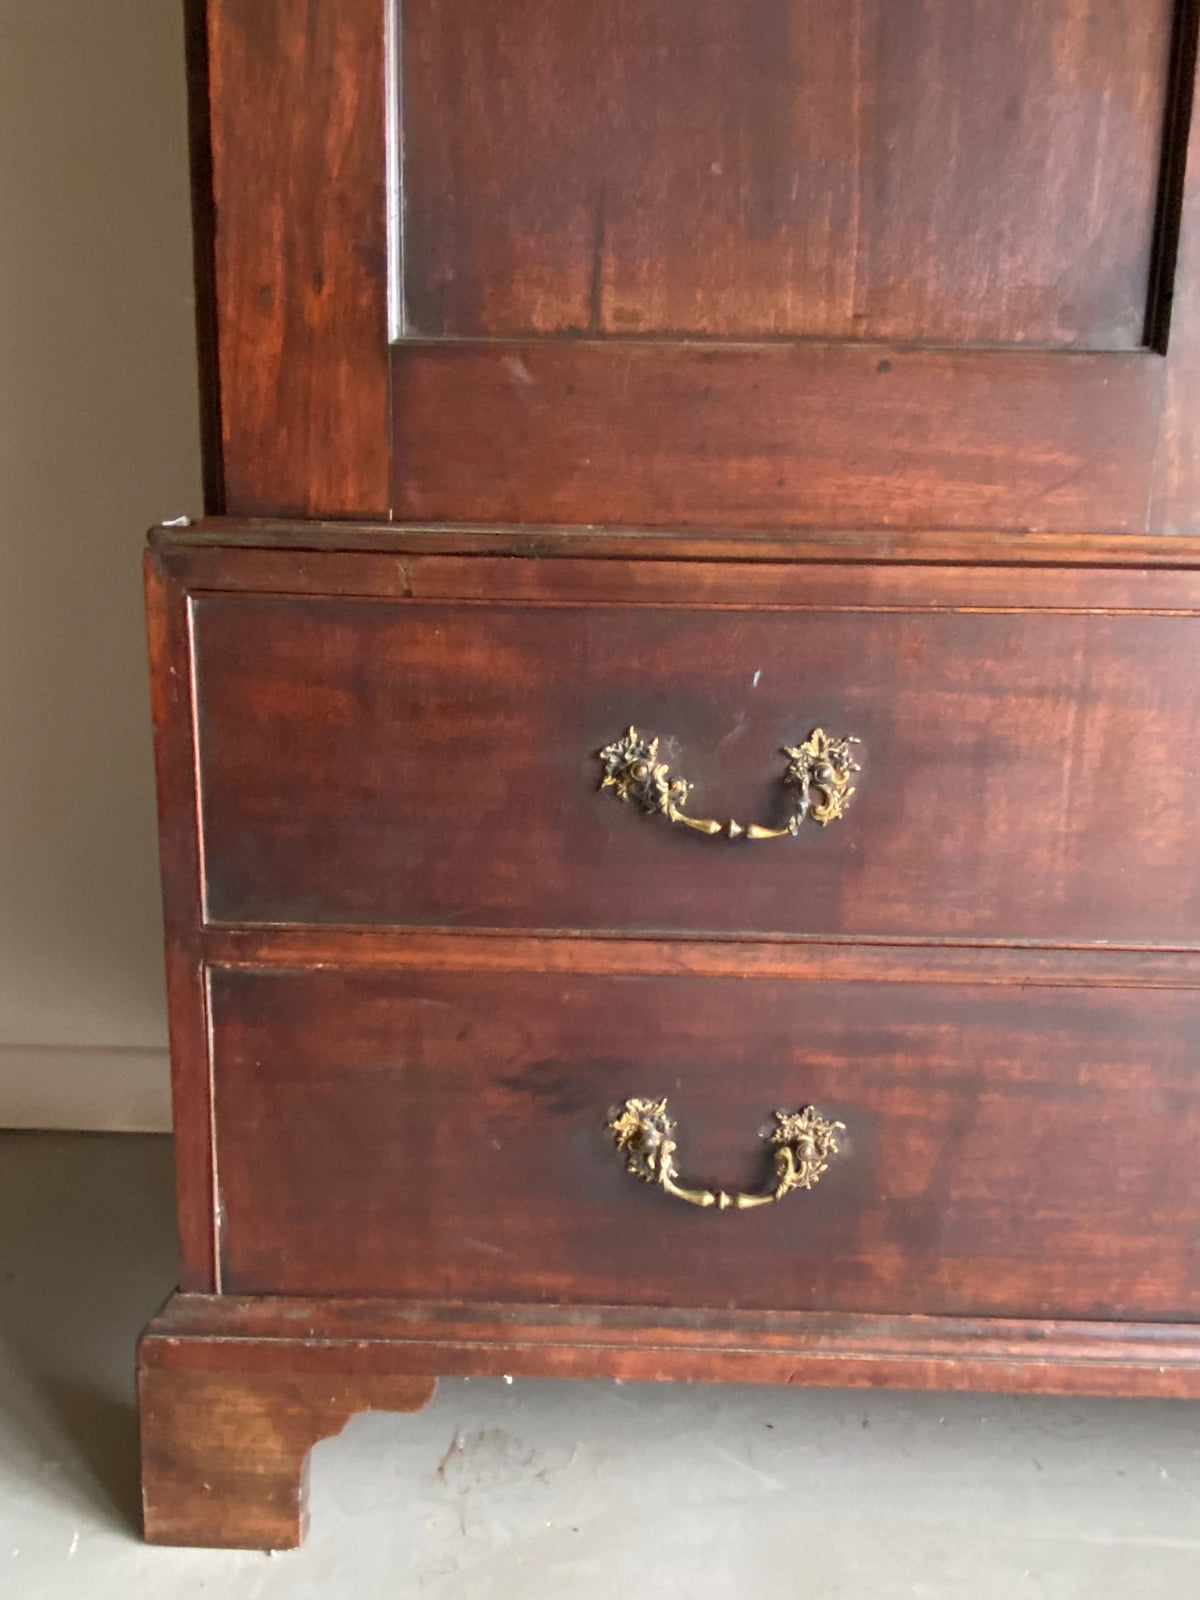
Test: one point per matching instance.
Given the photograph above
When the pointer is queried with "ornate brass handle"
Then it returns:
(802, 1143)
(817, 775)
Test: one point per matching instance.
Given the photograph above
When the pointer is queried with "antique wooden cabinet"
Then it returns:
(781, 418)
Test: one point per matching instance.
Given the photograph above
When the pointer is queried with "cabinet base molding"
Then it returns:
(234, 1391)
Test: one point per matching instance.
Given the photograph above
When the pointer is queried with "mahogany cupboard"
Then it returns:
(678, 737)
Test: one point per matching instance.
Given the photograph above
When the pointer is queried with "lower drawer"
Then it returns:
(443, 1135)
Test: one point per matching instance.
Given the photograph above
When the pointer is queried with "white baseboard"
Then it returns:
(93, 1088)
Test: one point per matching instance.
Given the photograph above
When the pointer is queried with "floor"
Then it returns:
(576, 1491)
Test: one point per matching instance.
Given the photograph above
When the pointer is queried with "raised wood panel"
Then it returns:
(1026, 773)
(938, 171)
(774, 436)
(443, 1135)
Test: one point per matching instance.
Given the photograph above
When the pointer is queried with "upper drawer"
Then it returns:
(1029, 748)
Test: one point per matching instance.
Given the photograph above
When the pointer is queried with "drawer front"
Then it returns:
(443, 1135)
(1026, 774)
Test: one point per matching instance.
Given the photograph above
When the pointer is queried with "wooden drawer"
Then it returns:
(442, 1136)
(1028, 770)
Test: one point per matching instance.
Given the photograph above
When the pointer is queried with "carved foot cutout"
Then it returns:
(225, 1453)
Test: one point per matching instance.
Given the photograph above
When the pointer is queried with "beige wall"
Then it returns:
(98, 438)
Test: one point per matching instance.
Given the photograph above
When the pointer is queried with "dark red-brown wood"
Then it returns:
(1025, 770)
(774, 436)
(179, 854)
(225, 1442)
(1051, 216)
(1021, 1125)
(219, 558)
(296, 95)
(329, 1335)
(268, 549)
(443, 1136)
(879, 320)
(876, 961)
(922, 174)
(932, 171)
(917, 572)
(235, 1392)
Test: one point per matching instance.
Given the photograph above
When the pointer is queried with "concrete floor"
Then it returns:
(576, 1491)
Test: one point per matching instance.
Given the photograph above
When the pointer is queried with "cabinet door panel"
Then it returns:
(731, 225)
(938, 171)
(938, 190)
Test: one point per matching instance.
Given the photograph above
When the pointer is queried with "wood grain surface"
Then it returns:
(931, 171)
(179, 858)
(442, 1136)
(1025, 771)
(1082, 105)
(338, 1335)
(225, 1446)
(865, 339)
(334, 552)
(296, 120)
(771, 436)
(234, 1392)
(969, 961)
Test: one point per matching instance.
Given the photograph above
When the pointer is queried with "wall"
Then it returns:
(98, 438)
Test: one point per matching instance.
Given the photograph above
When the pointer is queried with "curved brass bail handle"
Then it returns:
(817, 777)
(802, 1142)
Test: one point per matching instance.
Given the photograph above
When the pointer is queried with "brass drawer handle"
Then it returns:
(802, 1143)
(817, 775)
